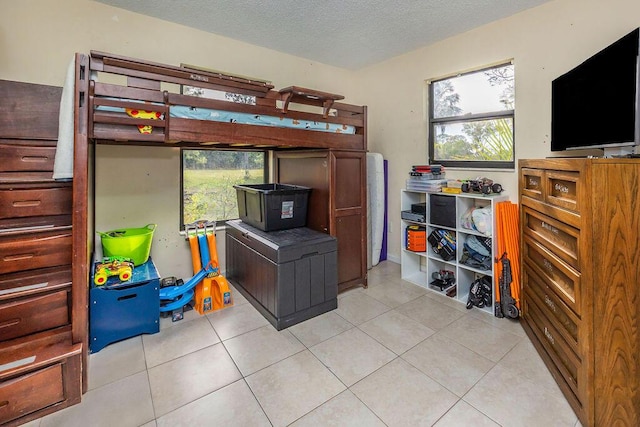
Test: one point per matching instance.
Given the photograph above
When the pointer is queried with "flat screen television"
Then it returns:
(595, 105)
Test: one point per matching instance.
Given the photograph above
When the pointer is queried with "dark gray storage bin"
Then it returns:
(442, 210)
(271, 207)
(288, 275)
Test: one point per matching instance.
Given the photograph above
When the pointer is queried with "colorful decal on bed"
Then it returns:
(187, 112)
(143, 114)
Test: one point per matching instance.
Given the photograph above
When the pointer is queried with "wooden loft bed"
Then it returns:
(46, 231)
(146, 82)
(322, 127)
(328, 137)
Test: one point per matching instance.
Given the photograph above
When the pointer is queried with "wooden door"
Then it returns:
(337, 203)
(349, 216)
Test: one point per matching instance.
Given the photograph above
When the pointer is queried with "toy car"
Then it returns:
(481, 185)
(113, 266)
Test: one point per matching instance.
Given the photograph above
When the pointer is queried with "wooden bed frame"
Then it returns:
(340, 199)
(145, 82)
(335, 163)
(332, 163)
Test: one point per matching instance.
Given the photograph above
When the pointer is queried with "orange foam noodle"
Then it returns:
(201, 288)
(195, 253)
(508, 240)
(213, 250)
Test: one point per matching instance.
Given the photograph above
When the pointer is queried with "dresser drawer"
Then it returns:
(39, 374)
(564, 280)
(26, 158)
(562, 239)
(22, 203)
(564, 359)
(35, 249)
(34, 282)
(532, 183)
(562, 189)
(49, 386)
(34, 314)
(563, 318)
(31, 392)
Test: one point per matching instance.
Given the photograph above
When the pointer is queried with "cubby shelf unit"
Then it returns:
(418, 267)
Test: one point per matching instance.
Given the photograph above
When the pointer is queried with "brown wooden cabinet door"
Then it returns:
(348, 211)
(337, 203)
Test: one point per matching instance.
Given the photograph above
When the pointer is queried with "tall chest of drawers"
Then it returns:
(41, 352)
(580, 237)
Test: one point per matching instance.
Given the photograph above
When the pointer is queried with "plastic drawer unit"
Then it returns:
(289, 275)
(120, 310)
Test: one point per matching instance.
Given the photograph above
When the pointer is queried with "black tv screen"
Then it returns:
(596, 103)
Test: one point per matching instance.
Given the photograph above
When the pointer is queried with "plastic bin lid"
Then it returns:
(290, 244)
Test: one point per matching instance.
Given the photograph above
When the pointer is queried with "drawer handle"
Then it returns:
(550, 303)
(18, 257)
(548, 266)
(26, 203)
(4, 404)
(34, 159)
(10, 322)
(549, 336)
(127, 297)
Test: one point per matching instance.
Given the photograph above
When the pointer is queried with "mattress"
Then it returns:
(187, 112)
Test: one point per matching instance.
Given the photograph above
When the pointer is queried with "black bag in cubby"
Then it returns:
(477, 252)
(443, 242)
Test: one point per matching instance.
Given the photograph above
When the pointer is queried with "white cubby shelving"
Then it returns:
(418, 267)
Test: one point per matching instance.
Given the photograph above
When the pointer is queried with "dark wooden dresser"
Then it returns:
(41, 356)
(580, 236)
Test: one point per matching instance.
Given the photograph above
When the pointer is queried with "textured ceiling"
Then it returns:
(345, 33)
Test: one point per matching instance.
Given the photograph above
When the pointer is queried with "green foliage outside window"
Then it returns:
(472, 119)
(208, 178)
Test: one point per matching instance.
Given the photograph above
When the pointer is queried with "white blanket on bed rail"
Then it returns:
(63, 162)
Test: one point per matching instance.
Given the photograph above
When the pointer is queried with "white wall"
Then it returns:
(544, 42)
(39, 37)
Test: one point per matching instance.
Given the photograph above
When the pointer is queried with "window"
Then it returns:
(208, 177)
(471, 119)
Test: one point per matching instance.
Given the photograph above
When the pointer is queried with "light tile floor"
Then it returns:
(390, 355)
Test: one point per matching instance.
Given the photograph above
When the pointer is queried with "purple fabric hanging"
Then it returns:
(383, 251)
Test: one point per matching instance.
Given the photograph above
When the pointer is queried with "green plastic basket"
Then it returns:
(134, 243)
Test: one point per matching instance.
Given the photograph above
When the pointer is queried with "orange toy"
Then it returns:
(508, 223)
(143, 114)
(213, 292)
